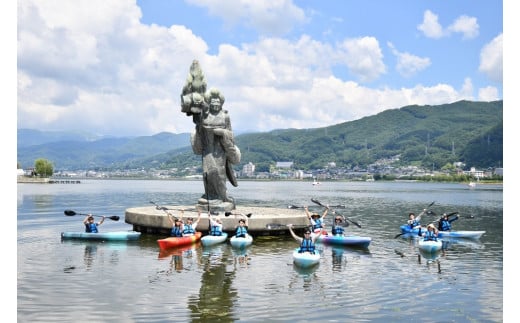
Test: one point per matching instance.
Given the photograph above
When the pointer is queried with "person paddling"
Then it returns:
(316, 220)
(215, 226)
(190, 227)
(337, 226)
(241, 228)
(308, 242)
(90, 225)
(431, 233)
(177, 225)
(415, 221)
(445, 223)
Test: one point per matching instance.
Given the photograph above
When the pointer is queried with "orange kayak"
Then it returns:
(173, 242)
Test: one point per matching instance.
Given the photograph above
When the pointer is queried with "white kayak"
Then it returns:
(305, 259)
(210, 240)
(461, 234)
(430, 246)
(241, 242)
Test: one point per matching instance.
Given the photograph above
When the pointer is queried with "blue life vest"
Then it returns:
(430, 236)
(306, 246)
(317, 224)
(241, 232)
(176, 232)
(414, 224)
(188, 229)
(215, 230)
(91, 227)
(445, 225)
(338, 230)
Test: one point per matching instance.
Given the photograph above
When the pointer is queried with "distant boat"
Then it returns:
(472, 184)
(316, 182)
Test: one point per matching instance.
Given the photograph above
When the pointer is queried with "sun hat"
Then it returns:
(315, 215)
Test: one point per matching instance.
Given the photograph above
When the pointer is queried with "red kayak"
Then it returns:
(173, 242)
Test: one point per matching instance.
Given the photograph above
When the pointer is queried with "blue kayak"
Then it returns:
(210, 240)
(109, 236)
(405, 228)
(350, 241)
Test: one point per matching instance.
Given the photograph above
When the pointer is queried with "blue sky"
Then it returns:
(117, 67)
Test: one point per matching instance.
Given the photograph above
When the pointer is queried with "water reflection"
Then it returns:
(89, 255)
(216, 297)
(182, 258)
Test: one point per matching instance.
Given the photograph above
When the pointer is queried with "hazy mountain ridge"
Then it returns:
(471, 132)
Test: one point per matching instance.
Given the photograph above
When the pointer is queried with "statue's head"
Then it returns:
(215, 99)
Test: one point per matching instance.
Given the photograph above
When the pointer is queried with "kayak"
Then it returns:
(405, 228)
(109, 236)
(172, 242)
(352, 241)
(180, 251)
(305, 259)
(241, 242)
(430, 246)
(210, 240)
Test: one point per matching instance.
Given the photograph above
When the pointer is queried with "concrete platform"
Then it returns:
(262, 222)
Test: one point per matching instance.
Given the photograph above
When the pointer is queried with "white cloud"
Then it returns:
(489, 93)
(407, 64)
(465, 25)
(430, 25)
(116, 76)
(364, 58)
(468, 26)
(270, 17)
(491, 59)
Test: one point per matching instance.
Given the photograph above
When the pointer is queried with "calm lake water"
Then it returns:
(75, 281)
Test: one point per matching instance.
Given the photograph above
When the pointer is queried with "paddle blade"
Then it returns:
(432, 203)
(69, 212)
(227, 213)
(114, 218)
(249, 215)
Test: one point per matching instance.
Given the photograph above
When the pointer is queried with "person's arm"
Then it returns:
(324, 214)
(418, 218)
(299, 239)
(85, 221)
(102, 220)
(307, 212)
(170, 217)
(454, 219)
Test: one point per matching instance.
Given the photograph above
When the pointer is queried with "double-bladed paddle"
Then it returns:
(335, 211)
(72, 213)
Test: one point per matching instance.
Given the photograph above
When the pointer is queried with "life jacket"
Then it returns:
(430, 236)
(337, 230)
(444, 225)
(176, 231)
(188, 230)
(414, 224)
(241, 232)
(216, 230)
(91, 227)
(307, 246)
(317, 224)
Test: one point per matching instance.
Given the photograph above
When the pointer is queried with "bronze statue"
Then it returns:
(212, 138)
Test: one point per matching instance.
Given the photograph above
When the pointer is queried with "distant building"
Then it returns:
(286, 165)
(248, 169)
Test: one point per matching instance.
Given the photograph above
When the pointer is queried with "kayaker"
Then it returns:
(413, 221)
(445, 223)
(430, 234)
(241, 228)
(337, 226)
(90, 225)
(316, 220)
(308, 242)
(177, 225)
(215, 226)
(189, 228)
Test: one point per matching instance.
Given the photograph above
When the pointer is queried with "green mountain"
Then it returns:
(464, 131)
